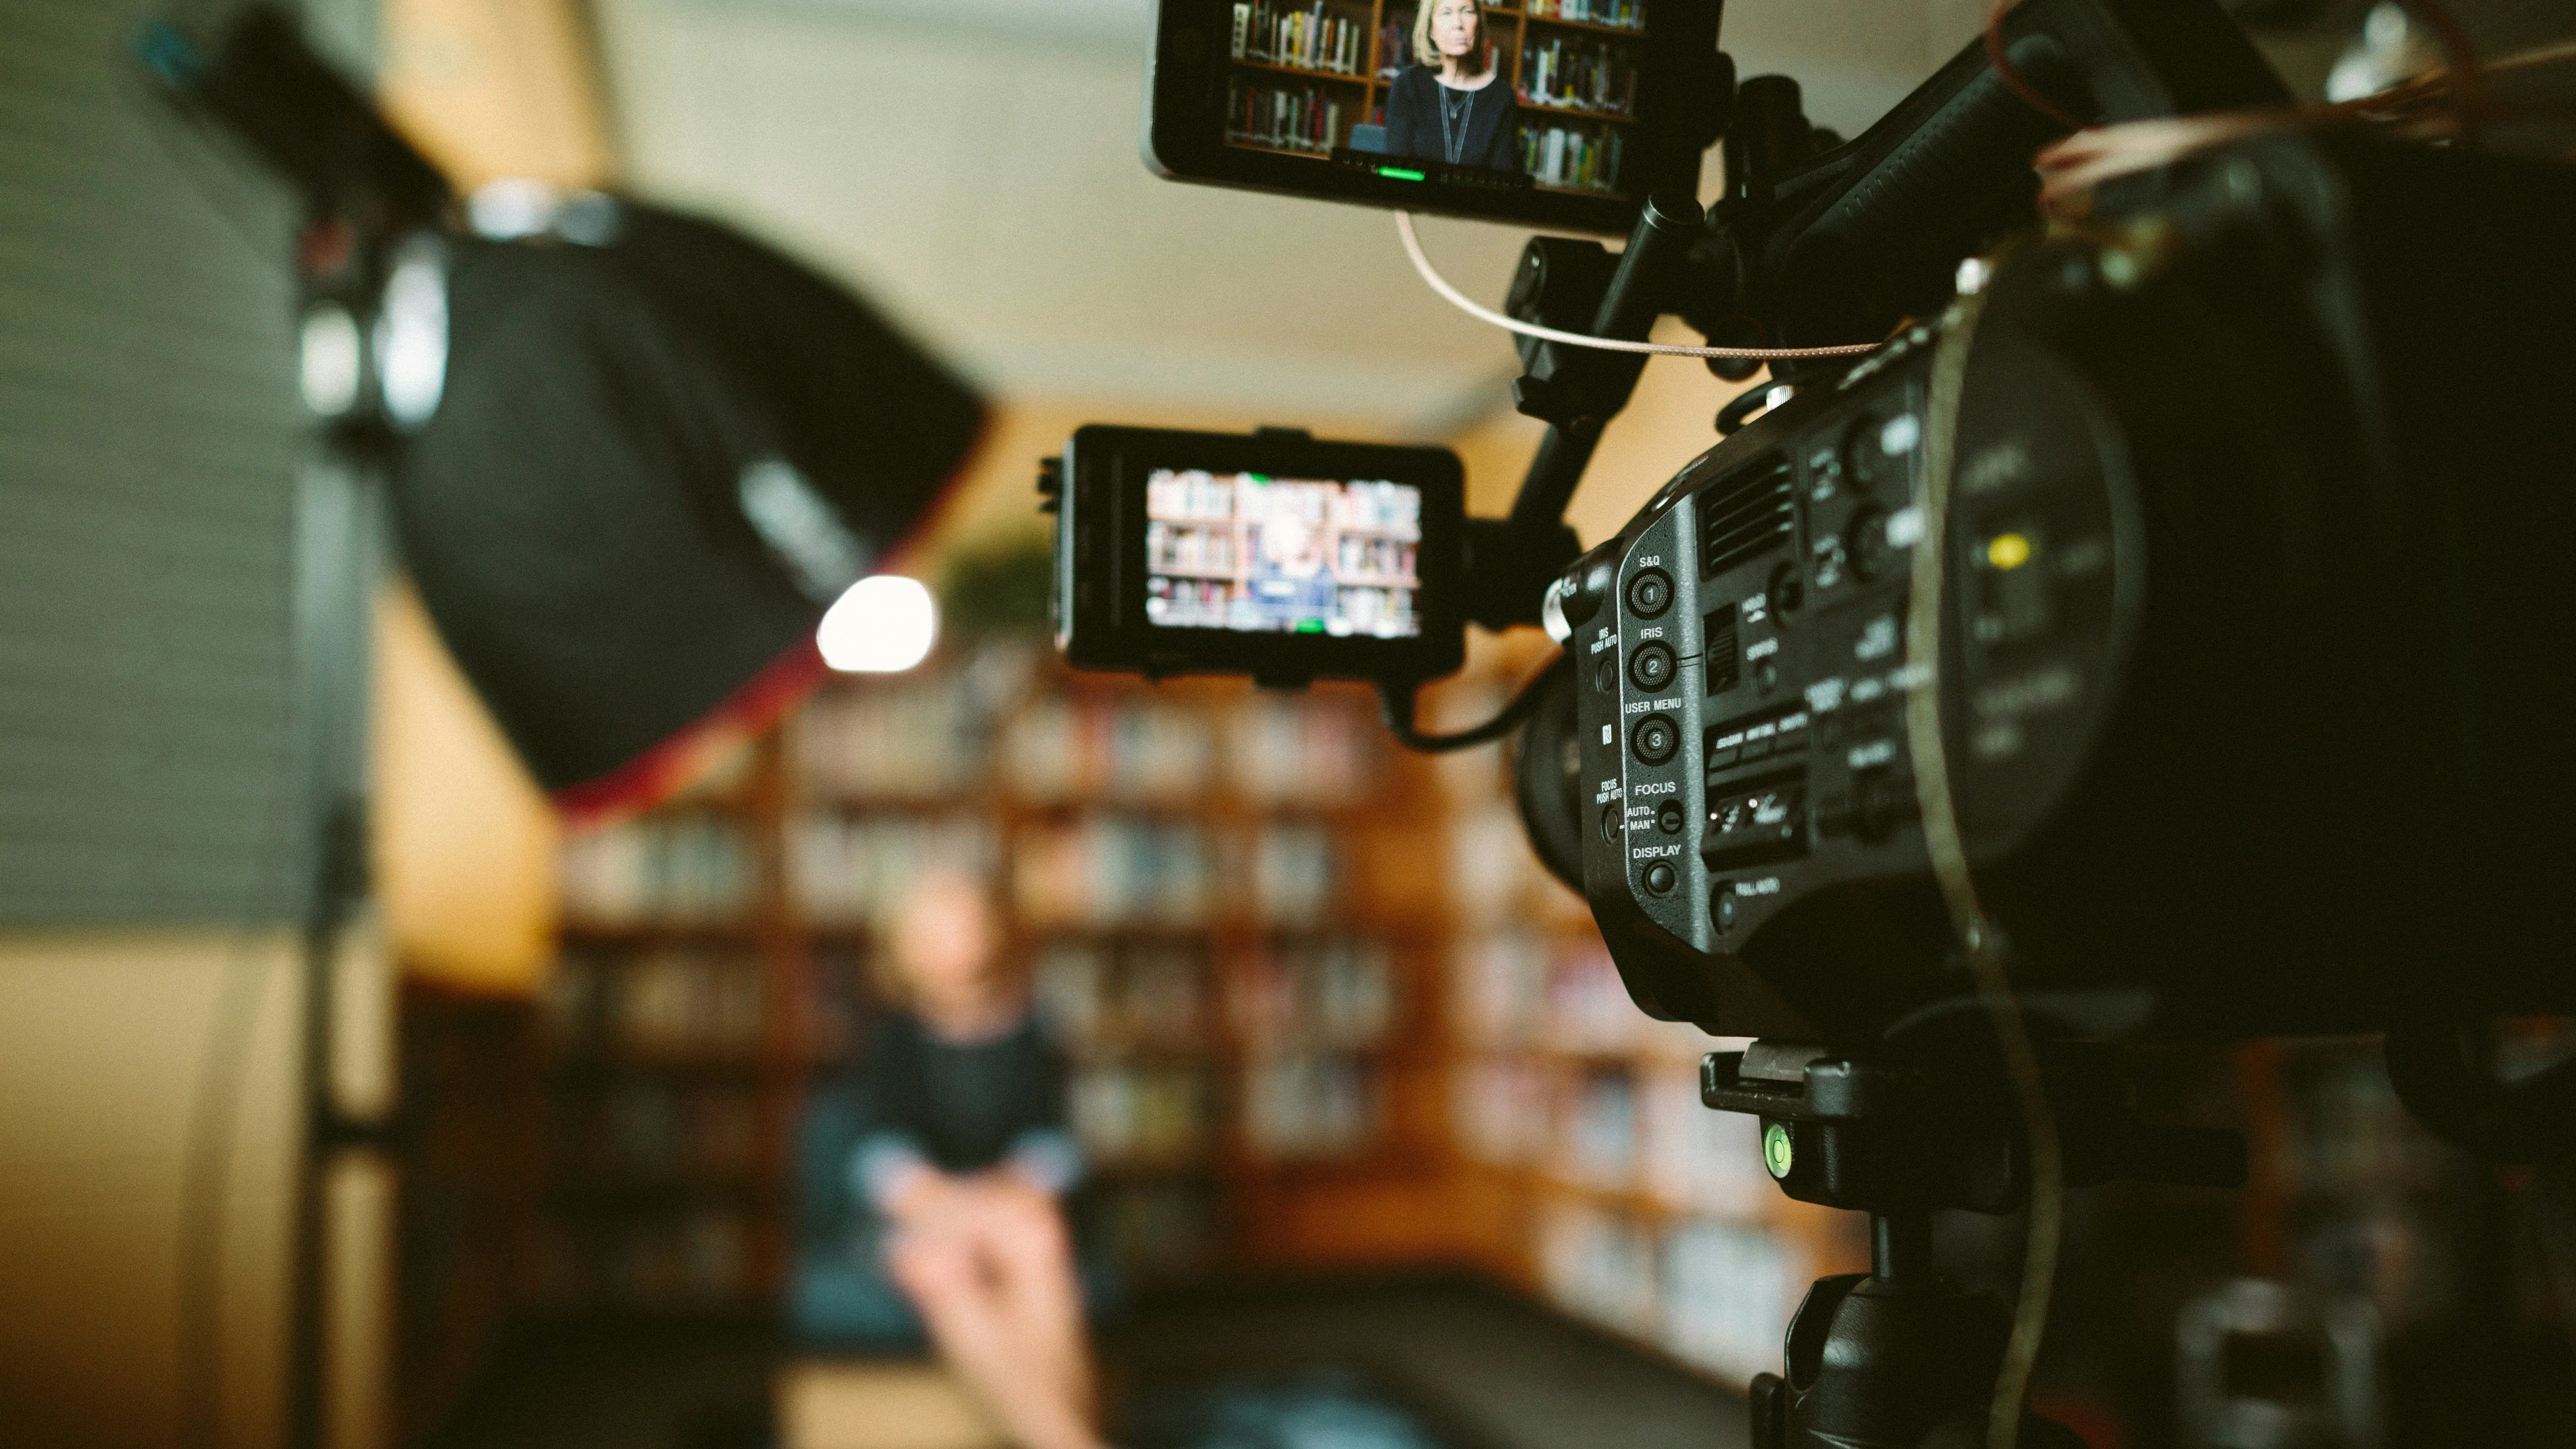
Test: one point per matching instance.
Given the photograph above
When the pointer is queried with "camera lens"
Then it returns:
(1652, 667)
(1650, 593)
(1655, 738)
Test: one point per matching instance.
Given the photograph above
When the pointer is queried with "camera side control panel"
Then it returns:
(1744, 689)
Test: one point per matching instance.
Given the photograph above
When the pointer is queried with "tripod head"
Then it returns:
(1900, 1357)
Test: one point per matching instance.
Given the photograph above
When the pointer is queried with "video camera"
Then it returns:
(2168, 608)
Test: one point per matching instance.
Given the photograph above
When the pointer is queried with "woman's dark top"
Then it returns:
(1479, 132)
(959, 1107)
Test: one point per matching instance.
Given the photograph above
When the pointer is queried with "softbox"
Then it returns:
(658, 451)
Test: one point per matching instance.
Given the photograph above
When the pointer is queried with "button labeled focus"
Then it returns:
(1655, 738)
(1650, 593)
(1652, 667)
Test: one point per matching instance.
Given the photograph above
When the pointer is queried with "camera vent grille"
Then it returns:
(1746, 516)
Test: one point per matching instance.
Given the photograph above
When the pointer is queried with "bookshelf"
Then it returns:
(1217, 892)
(1300, 77)
(1626, 1202)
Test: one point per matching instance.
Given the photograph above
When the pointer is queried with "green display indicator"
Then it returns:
(1310, 626)
(1777, 1153)
(1401, 174)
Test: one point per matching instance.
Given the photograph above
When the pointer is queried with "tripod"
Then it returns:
(1901, 1357)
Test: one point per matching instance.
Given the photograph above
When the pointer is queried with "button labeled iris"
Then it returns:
(1652, 666)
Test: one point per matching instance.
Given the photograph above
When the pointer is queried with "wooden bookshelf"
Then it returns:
(1385, 28)
(1613, 1193)
(1247, 856)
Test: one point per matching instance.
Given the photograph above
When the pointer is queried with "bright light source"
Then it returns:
(332, 357)
(411, 334)
(880, 625)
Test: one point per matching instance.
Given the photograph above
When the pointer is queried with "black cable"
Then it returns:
(1395, 701)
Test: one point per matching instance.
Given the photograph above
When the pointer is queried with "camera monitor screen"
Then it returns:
(1531, 110)
(1259, 555)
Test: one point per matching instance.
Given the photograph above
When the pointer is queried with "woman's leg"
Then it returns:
(989, 1335)
(1028, 1258)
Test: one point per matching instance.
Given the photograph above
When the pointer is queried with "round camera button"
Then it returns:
(1650, 593)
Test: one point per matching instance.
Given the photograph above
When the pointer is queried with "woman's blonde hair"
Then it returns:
(1473, 62)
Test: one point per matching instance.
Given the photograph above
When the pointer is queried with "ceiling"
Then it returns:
(972, 164)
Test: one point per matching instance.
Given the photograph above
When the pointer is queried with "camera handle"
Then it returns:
(1901, 1357)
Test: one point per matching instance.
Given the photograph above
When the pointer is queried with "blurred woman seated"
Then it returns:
(935, 1180)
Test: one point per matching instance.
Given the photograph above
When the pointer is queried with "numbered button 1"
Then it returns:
(1650, 593)
(1655, 738)
(1652, 667)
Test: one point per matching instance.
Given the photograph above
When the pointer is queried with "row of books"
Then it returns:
(1594, 75)
(1188, 548)
(687, 1002)
(1715, 1294)
(1143, 1113)
(696, 1257)
(922, 736)
(1304, 1106)
(1288, 117)
(1335, 994)
(1382, 558)
(1104, 999)
(1517, 988)
(1308, 37)
(1617, 1129)
(1265, 750)
(846, 870)
(1626, 14)
(654, 1131)
(1572, 156)
(1107, 872)
(674, 869)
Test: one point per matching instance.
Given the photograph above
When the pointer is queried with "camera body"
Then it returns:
(1272, 554)
(2252, 668)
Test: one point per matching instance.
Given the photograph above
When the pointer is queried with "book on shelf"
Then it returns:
(1596, 1138)
(1727, 1293)
(1310, 750)
(1140, 994)
(1107, 871)
(1599, 1265)
(1124, 748)
(1694, 1159)
(1499, 992)
(1305, 37)
(1499, 1106)
(926, 736)
(1579, 157)
(849, 870)
(670, 1001)
(1584, 73)
(685, 869)
(1624, 14)
(1157, 1114)
(1286, 117)
(1338, 994)
(647, 1131)
(1306, 1105)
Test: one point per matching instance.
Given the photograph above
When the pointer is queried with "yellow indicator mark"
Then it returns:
(2007, 551)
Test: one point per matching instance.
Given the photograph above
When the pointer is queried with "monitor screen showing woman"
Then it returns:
(1452, 104)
